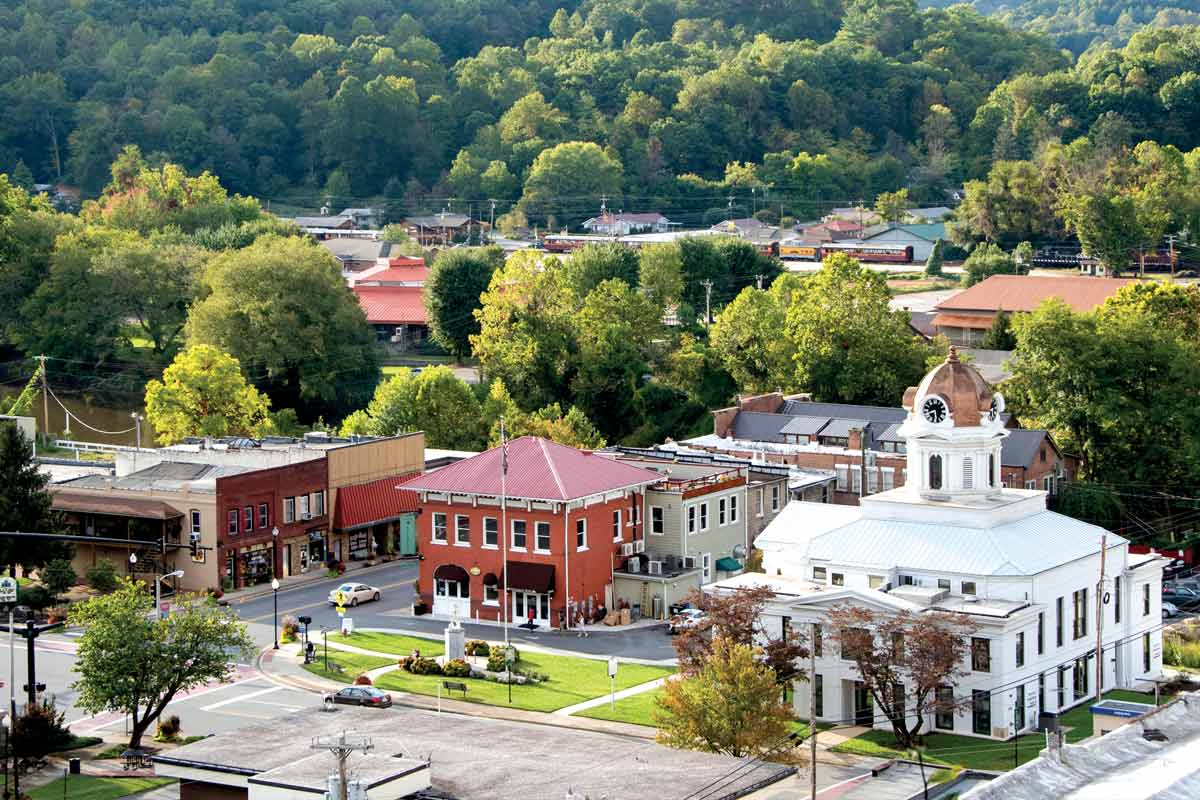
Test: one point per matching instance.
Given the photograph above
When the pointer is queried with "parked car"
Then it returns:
(354, 593)
(1182, 598)
(686, 619)
(1169, 609)
(361, 696)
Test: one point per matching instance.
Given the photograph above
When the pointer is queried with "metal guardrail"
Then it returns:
(98, 447)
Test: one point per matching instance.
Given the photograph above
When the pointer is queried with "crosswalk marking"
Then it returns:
(240, 698)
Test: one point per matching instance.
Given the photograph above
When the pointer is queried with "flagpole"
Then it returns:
(504, 599)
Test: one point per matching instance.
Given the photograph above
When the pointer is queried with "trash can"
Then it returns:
(73, 766)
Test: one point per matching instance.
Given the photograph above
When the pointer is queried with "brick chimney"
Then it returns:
(723, 421)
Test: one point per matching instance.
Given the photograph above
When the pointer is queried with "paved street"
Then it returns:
(393, 611)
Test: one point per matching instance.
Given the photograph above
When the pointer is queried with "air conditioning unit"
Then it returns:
(396, 339)
(656, 568)
(633, 565)
(194, 536)
(306, 515)
(627, 549)
(689, 562)
(639, 546)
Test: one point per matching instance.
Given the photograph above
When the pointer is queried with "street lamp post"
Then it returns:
(158, 579)
(275, 594)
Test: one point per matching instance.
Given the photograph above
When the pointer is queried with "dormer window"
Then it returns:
(935, 471)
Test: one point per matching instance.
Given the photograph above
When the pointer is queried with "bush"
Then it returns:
(1179, 652)
(478, 647)
(58, 576)
(420, 665)
(102, 577)
(36, 597)
(40, 730)
(362, 680)
(498, 651)
(288, 628)
(457, 668)
(168, 729)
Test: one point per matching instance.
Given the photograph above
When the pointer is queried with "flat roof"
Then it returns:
(472, 757)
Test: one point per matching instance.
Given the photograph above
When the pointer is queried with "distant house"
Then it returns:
(438, 228)
(740, 227)
(396, 313)
(921, 237)
(622, 224)
(862, 215)
(934, 214)
(396, 271)
(325, 223)
(965, 317)
(835, 230)
(363, 217)
(356, 255)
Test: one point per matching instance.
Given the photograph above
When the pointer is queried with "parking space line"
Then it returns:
(240, 698)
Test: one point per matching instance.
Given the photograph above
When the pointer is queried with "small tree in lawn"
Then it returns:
(131, 662)
(1000, 336)
(933, 264)
(919, 652)
(731, 705)
(58, 576)
(736, 617)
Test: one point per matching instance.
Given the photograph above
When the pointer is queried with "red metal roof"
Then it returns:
(392, 305)
(1026, 293)
(393, 273)
(375, 501)
(538, 469)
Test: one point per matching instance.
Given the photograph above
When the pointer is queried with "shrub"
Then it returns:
(36, 597)
(168, 729)
(40, 730)
(288, 628)
(362, 680)
(457, 669)
(478, 647)
(498, 651)
(424, 666)
(102, 577)
(58, 576)
(1179, 652)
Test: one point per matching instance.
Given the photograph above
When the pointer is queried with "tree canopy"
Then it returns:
(203, 393)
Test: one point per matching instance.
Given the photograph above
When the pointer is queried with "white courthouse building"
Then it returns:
(955, 539)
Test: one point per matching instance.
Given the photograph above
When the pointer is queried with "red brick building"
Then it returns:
(272, 522)
(565, 516)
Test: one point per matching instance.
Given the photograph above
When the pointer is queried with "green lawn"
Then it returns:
(393, 643)
(352, 664)
(974, 753)
(572, 680)
(637, 709)
(88, 787)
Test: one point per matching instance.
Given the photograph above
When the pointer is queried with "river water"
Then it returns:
(84, 412)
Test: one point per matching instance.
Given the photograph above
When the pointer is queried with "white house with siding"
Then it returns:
(955, 539)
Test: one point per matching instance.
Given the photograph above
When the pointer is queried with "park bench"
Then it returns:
(455, 686)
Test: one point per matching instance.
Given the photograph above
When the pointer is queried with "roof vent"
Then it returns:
(1154, 735)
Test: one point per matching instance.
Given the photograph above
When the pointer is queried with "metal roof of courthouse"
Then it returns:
(538, 469)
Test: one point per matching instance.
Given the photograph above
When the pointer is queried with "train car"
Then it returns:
(796, 250)
(566, 242)
(865, 251)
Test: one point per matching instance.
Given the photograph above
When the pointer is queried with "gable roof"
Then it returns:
(843, 535)
(929, 231)
(392, 305)
(439, 221)
(347, 249)
(538, 469)
(1026, 293)
(934, 213)
(1021, 446)
(323, 222)
(393, 273)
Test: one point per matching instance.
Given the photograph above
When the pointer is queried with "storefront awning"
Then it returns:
(530, 577)
(451, 572)
(374, 502)
(728, 564)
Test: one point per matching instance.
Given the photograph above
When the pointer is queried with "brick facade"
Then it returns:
(581, 575)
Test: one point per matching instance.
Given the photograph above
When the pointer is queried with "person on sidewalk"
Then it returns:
(580, 625)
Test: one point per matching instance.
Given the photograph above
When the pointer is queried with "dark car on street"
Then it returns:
(362, 696)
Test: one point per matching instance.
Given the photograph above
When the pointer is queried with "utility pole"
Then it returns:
(812, 711)
(1100, 620)
(492, 220)
(758, 279)
(342, 746)
(860, 218)
(729, 208)
(707, 284)
(45, 398)
(1171, 254)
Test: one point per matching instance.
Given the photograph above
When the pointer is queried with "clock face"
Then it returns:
(934, 409)
(997, 406)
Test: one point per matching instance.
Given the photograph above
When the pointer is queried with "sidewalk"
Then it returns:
(307, 579)
(641, 688)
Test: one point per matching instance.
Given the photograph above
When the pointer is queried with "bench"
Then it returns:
(136, 759)
(455, 686)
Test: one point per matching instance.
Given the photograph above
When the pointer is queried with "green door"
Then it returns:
(408, 535)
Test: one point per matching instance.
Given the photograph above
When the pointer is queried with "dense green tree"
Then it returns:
(25, 504)
(566, 181)
(1012, 205)
(203, 393)
(933, 264)
(660, 274)
(592, 264)
(453, 292)
(434, 401)
(1170, 306)
(1000, 336)
(282, 309)
(984, 261)
(747, 336)
(850, 347)
(892, 206)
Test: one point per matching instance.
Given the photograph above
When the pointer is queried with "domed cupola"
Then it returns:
(954, 432)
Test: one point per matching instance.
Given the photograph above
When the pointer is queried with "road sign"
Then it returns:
(341, 610)
(8, 590)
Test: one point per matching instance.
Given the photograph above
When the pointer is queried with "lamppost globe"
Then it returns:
(275, 584)
(133, 558)
(275, 597)
(275, 532)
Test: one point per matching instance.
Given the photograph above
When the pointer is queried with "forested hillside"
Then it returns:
(1078, 24)
(650, 101)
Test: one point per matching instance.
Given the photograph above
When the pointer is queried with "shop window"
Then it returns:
(248, 518)
(319, 503)
(462, 529)
(581, 534)
(289, 509)
(518, 534)
(439, 527)
(233, 522)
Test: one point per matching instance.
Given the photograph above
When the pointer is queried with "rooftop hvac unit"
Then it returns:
(627, 549)
(656, 568)
(633, 565)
